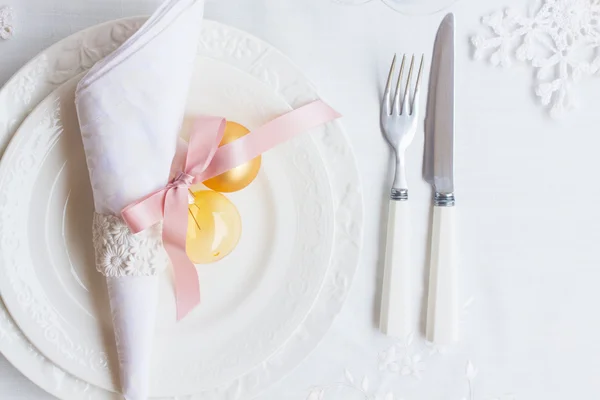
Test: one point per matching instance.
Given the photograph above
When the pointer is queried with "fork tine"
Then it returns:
(418, 85)
(396, 105)
(386, 93)
(405, 100)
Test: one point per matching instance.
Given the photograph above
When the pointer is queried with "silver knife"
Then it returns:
(438, 170)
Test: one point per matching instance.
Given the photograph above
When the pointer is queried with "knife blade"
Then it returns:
(438, 165)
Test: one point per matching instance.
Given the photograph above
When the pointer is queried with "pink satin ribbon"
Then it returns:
(201, 160)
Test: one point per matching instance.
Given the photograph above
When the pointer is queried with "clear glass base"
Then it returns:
(419, 7)
(352, 2)
(339, 391)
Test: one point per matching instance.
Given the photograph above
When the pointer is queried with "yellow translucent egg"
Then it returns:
(214, 227)
(239, 177)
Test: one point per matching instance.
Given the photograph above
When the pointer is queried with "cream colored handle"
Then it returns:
(442, 305)
(395, 301)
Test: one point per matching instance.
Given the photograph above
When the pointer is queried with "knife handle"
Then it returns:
(442, 305)
(395, 301)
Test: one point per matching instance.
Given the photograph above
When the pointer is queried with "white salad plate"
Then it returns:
(264, 307)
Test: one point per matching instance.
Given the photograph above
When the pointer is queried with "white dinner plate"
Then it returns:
(256, 322)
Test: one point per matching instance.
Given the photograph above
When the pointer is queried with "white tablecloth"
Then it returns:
(526, 195)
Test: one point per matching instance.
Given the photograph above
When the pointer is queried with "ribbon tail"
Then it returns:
(187, 286)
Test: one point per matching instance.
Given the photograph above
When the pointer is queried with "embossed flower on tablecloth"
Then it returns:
(388, 360)
(7, 17)
(403, 357)
(364, 386)
(316, 394)
(413, 365)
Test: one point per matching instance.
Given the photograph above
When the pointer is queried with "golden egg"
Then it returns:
(241, 176)
(214, 227)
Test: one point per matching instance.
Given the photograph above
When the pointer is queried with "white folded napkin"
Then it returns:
(130, 107)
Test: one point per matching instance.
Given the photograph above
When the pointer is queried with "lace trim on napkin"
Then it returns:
(7, 16)
(121, 253)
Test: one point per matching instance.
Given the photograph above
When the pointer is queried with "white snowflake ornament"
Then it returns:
(7, 17)
(559, 38)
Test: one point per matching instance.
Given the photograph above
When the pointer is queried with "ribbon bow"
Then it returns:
(203, 159)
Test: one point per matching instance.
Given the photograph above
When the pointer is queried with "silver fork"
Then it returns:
(399, 120)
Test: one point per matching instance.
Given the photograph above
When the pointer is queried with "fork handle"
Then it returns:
(395, 302)
(442, 304)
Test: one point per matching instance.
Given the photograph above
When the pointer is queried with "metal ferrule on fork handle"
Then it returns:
(399, 194)
(444, 199)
